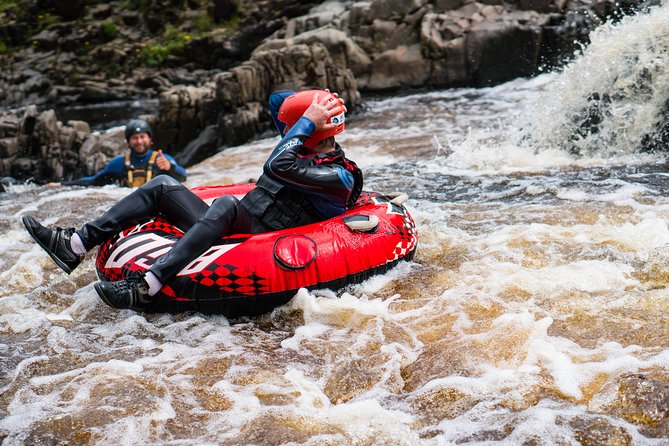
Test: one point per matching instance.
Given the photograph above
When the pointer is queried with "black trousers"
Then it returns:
(202, 224)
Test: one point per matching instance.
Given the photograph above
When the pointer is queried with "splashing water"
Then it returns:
(613, 99)
(535, 311)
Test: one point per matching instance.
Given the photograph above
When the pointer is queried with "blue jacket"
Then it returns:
(116, 172)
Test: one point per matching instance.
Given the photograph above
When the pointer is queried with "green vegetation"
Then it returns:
(203, 23)
(45, 19)
(173, 43)
(168, 44)
(137, 5)
(109, 30)
(174, 40)
(9, 5)
(233, 23)
(154, 54)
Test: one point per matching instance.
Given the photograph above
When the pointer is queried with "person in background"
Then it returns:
(306, 179)
(137, 166)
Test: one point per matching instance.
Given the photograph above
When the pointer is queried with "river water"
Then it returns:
(536, 311)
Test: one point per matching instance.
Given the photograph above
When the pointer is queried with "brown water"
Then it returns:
(535, 312)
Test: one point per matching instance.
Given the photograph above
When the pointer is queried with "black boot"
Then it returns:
(56, 243)
(132, 292)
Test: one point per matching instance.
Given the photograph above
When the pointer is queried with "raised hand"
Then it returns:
(162, 162)
(321, 111)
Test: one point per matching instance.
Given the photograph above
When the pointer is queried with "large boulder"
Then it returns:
(200, 148)
(184, 112)
(344, 51)
(489, 60)
(403, 66)
(37, 145)
(234, 104)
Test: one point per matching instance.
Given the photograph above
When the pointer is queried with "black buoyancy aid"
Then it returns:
(138, 175)
(280, 207)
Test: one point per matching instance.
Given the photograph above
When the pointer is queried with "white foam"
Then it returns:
(50, 196)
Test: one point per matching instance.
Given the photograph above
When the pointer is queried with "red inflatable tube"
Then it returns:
(250, 274)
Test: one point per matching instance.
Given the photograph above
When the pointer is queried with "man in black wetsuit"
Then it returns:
(305, 180)
(137, 166)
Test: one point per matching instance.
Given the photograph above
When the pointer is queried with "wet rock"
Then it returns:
(45, 40)
(27, 168)
(393, 9)
(400, 67)
(643, 400)
(343, 50)
(98, 92)
(64, 95)
(46, 128)
(10, 122)
(6, 165)
(437, 30)
(443, 39)
(80, 126)
(101, 11)
(223, 9)
(236, 100)
(276, 428)
(658, 139)
(96, 151)
(113, 143)
(439, 404)
(37, 84)
(546, 6)
(447, 5)
(68, 9)
(183, 115)
(8, 147)
(599, 431)
(495, 435)
(68, 138)
(240, 125)
(39, 146)
(440, 359)
(488, 61)
(200, 148)
(93, 159)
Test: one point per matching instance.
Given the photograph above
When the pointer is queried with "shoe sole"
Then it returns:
(62, 266)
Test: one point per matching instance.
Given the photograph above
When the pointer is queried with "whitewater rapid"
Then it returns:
(534, 313)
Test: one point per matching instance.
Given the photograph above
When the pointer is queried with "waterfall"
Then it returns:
(614, 97)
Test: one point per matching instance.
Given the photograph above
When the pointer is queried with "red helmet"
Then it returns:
(295, 105)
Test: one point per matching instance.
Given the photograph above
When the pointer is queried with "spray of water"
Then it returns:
(612, 99)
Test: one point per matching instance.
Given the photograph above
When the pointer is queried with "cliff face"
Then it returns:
(212, 63)
(58, 52)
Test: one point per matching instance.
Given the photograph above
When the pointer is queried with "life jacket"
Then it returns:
(138, 175)
(279, 207)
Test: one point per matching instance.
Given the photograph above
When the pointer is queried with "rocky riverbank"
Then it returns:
(213, 63)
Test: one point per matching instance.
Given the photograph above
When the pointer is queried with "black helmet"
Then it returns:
(137, 126)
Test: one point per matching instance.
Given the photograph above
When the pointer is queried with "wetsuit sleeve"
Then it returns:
(326, 179)
(275, 101)
(111, 173)
(176, 171)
